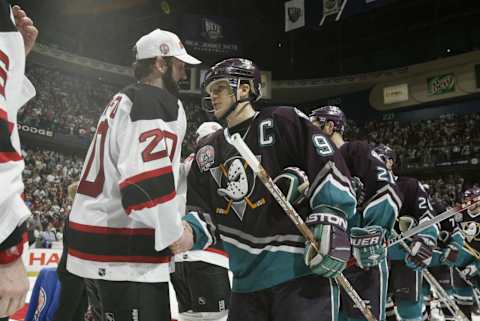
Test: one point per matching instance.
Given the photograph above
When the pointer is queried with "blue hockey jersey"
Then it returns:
(45, 296)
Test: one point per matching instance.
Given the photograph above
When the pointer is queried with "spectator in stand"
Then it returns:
(427, 143)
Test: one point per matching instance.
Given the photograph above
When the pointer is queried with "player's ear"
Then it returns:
(161, 65)
(244, 90)
(329, 125)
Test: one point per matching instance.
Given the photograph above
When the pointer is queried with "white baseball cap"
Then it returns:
(165, 44)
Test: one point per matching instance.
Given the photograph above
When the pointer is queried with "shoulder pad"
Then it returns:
(149, 102)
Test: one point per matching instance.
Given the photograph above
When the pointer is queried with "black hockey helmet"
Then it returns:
(470, 197)
(330, 113)
(235, 71)
(385, 152)
(471, 193)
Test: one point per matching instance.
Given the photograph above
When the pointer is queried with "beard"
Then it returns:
(170, 84)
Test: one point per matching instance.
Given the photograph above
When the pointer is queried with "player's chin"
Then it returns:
(218, 113)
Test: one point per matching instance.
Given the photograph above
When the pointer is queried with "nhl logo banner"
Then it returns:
(294, 14)
(211, 37)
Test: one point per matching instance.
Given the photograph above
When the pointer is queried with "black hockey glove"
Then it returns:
(329, 227)
(293, 182)
(421, 251)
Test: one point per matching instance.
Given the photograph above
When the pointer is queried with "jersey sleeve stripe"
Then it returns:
(331, 169)
(217, 251)
(9, 157)
(380, 194)
(145, 175)
(114, 244)
(113, 258)
(112, 230)
(151, 203)
(148, 189)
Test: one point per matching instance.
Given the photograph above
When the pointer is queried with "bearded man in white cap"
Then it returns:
(125, 214)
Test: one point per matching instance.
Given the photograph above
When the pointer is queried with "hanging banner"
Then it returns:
(217, 37)
(334, 10)
(294, 14)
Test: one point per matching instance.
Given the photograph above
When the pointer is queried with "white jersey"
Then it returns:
(213, 255)
(126, 210)
(15, 91)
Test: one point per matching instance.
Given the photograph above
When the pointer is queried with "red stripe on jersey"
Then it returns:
(146, 175)
(3, 76)
(9, 157)
(13, 253)
(217, 251)
(4, 116)
(114, 258)
(4, 58)
(151, 203)
(111, 230)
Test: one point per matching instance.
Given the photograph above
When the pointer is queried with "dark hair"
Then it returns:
(142, 68)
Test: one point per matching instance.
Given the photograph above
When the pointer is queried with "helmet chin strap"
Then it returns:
(232, 108)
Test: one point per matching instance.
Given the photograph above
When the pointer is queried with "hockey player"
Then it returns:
(276, 277)
(17, 37)
(72, 299)
(468, 261)
(201, 281)
(378, 211)
(450, 242)
(405, 282)
(126, 210)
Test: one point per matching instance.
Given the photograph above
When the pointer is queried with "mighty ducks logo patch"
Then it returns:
(236, 182)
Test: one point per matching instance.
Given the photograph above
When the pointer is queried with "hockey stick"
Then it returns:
(476, 292)
(473, 252)
(435, 285)
(236, 141)
(426, 224)
(470, 250)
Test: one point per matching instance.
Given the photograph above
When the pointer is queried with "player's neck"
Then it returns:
(156, 82)
(242, 112)
(337, 139)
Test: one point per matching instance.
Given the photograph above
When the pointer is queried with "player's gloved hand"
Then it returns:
(368, 245)
(293, 182)
(421, 251)
(451, 250)
(359, 189)
(471, 272)
(329, 227)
